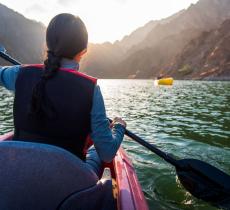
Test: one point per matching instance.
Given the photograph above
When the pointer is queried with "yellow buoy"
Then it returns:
(165, 81)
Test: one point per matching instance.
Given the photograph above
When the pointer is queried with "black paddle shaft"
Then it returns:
(201, 179)
(165, 156)
(9, 58)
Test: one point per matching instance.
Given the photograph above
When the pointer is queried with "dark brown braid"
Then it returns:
(40, 103)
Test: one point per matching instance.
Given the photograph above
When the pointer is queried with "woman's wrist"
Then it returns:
(119, 127)
(120, 123)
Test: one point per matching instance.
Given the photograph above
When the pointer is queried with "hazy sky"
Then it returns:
(106, 20)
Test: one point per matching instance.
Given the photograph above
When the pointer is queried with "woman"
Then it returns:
(56, 104)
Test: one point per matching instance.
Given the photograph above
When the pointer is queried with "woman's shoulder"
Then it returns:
(86, 76)
(8, 76)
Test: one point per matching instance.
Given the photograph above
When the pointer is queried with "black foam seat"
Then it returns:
(43, 177)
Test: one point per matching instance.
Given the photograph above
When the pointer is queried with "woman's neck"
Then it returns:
(69, 63)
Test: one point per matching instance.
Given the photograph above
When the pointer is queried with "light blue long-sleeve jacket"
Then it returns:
(106, 141)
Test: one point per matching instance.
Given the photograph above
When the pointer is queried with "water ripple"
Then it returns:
(189, 119)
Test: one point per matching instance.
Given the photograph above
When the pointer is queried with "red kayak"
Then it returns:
(127, 192)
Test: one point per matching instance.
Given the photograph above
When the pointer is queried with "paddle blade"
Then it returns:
(205, 182)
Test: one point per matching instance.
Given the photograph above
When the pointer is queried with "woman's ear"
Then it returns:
(80, 55)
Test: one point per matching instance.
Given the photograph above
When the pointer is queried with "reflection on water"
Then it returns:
(6, 111)
(188, 119)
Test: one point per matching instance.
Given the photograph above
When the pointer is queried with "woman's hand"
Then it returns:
(118, 120)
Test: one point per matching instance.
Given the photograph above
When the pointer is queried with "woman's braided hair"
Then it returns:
(66, 36)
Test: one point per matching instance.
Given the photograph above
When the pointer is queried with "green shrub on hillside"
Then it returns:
(185, 70)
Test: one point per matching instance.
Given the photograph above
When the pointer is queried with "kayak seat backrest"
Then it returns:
(45, 177)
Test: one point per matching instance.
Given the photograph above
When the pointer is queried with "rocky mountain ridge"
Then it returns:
(159, 47)
(206, 57)
(24, 39)
(158, 50)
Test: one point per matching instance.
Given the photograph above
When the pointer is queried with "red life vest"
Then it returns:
(71, 95)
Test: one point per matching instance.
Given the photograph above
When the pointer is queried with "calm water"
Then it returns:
(189, 119)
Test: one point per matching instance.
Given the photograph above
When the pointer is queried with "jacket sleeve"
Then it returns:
(8, 76)
(106, 141)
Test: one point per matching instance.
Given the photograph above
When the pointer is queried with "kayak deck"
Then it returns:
(129, 192)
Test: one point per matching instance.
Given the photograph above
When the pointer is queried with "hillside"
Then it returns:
(102, 59)
(139, 35)
(23, 38)
(159, 47)
(206, 57)
(167, 40)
